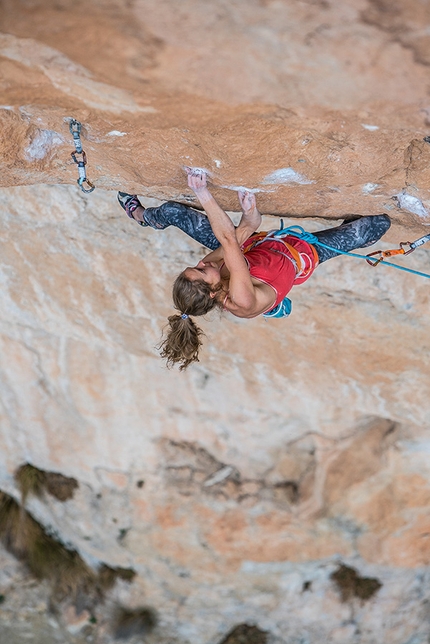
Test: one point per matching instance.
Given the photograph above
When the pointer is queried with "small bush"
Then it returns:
(47, 558)
(108, 575)
(128, 623)
(350, 584)
(32, 480)
(62, 487)
(245, 634)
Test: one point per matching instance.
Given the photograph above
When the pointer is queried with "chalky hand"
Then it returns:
(197, 179)
(249, 208)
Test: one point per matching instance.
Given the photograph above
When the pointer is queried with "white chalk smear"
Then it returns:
(217, 163)
(116, 133)
(7, 107)
(286, 175)
(369, 187)
(372, 128)
(200, 170)
(219, 476)
(244, 188)
(42, 143)
(411, 204)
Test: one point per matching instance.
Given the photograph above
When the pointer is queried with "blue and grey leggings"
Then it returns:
(357, 233)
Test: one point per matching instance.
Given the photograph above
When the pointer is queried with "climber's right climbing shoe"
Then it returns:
(130, 203)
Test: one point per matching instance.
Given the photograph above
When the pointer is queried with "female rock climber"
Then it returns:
(247, 273)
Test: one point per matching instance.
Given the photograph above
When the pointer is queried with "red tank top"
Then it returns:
(271, 262)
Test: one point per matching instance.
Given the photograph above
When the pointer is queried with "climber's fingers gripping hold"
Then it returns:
(247, 200)
(197, 179)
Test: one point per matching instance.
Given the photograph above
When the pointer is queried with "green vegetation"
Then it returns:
(350, 584)
(47, 558)
(32, 480)
(245, 634)
(129, 623)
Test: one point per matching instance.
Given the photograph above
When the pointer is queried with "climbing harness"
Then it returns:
(284, 308)
(292, 253)
(75, 130)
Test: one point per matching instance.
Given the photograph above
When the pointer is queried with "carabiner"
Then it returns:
(84, 157)
(384, 254)
(81, 182)
(374, 262)
(411, 248)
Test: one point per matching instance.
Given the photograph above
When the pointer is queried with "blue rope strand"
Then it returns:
(298, 231)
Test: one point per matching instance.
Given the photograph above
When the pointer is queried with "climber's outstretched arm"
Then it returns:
(251, 217)
(220, 222)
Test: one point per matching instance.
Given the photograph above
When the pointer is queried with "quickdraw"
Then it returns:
(405, 249)
(75, 130)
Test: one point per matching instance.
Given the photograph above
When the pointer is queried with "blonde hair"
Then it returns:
(183, 339)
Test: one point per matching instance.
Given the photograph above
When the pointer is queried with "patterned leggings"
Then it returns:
(358, 233)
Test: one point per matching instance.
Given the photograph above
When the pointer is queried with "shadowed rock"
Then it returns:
(350, 584)
(245, 634)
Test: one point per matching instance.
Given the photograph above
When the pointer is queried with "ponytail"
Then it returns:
(182, 343)
(183, 338)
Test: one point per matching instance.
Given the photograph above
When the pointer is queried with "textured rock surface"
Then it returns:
(237, 489)
(245, 90)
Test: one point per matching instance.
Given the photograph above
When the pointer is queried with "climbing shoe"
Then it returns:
(130, 203)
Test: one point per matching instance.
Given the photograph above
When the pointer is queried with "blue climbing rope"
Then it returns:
(298, 231)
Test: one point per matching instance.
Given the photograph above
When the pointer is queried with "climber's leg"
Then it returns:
(352, 234)
(190, 221)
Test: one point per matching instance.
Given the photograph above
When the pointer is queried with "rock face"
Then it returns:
(278, 490)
